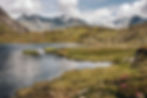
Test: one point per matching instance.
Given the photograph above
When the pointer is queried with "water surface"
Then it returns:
(18, 70)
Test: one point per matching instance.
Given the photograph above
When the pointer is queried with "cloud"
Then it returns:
(69, 7)
(136, 8)
(101, 16)
(107, 16)
(18, 7)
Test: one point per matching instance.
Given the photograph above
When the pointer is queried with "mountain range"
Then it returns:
(39, 23)
(137, 20)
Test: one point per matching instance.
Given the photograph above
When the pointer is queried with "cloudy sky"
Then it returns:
(93, 11)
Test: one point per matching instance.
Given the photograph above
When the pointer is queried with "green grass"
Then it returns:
(50, 50)
(121, 81)
(85, 35)
(75, 34)
(116, 55)
(31, 52)
(90, 83)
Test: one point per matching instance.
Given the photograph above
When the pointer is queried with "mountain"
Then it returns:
(128, 22)
(40, 23)
(7, 24)
(137, 20)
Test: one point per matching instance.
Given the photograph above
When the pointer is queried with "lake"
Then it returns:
(18, 70)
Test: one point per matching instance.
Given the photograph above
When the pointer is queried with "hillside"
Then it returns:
(87, 35)
(8, 25)
(135, 34)
(100, 35)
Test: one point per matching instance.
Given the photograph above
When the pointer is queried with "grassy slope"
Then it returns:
(4, 29)
(75, 34)
(113, 82)
(86, 35)
(97, 54)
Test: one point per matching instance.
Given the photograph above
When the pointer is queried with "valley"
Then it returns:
(39, 54)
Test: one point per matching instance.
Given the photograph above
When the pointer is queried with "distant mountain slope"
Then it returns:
(137, 20)
(40, 23)
(9, 25)
(136, 33)
(129, 21)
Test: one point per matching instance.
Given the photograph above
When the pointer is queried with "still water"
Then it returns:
(18, 70)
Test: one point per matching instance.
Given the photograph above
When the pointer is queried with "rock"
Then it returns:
(141, 58)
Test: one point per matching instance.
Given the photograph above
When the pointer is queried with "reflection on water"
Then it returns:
(18, 70)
